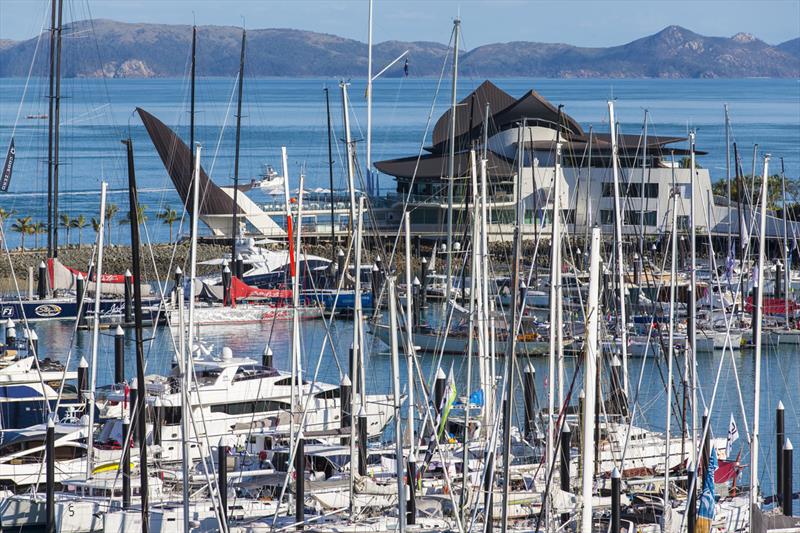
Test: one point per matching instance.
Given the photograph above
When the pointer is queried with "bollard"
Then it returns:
(345, 397)
(340, 267)
(566, 437)
(416, 302)
(423, 296)
(50, 467)
(787, 478)
(83, 379)
(488, 492)
(362, 442)
(134, 396)
(80, 287)
(375, 283)
(33, 342)
(226, 286)
(119, 355)
(691, 498)
(178, 278)
(617, 390)
(266, 357)
(222, 472)
(411, 508)
(780, 438)
(615, 501)
(529, 387)
(300, 484)
(41, 288)
(239, 267)
(128, 296)
(438, 390)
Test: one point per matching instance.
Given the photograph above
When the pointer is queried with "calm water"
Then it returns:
(98, 113)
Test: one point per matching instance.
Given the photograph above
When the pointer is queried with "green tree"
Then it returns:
(39, 228)
(774, 189)
(111, 212)
(169, 216)
(5, 215)
(142, 215)
(79, 224)
(22, 226)
(96, 224)
(65, 221)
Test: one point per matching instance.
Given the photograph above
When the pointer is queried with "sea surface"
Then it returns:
(97, 114)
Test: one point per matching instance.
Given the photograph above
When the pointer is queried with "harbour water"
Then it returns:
(97, 113)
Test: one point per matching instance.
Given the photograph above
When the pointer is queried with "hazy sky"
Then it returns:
(580, 22)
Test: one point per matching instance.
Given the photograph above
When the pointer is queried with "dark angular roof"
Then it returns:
(434, 166)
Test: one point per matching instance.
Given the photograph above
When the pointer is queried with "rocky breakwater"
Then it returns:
(158, 261)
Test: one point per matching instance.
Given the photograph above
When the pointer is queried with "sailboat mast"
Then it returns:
(194, 212)
(330, 173)
(56, 128)
(409, 335)
(187, 351)
(728, 250)
(742, 229)
(511, 345)
(622, 325)
(50, 124)
(398, 441)
(786, 266)
(369, 101)
(235, 223)
(642, 195)
(451, 163)
(555, 302)
(95, 331)
(759, 311)
(693, 283)
(141, 396)
(589, 381)
(671, 343)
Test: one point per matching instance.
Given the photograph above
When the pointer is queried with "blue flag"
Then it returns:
(705, 516)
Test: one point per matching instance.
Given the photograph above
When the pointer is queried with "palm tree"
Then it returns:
(4, 215)
(169, 216)
(66, 223)
(23, 227)
(79, 223)
(96, 224)
(111, 211)
(39, 228)
(142, 215)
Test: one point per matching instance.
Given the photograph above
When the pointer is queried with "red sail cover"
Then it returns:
(53, 270)
(726, 471)
(242, 291)
(772, 306)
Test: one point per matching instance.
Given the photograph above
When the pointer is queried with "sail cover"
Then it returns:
(177, 159)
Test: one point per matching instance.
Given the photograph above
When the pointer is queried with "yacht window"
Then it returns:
(208, 376)
(246, 408)
(246, 372)
(328, 394)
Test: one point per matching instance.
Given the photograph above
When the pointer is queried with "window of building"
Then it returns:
(683, 222)
(606, 216)
(633, 217)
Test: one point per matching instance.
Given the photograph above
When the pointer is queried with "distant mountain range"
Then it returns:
(124, 50)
